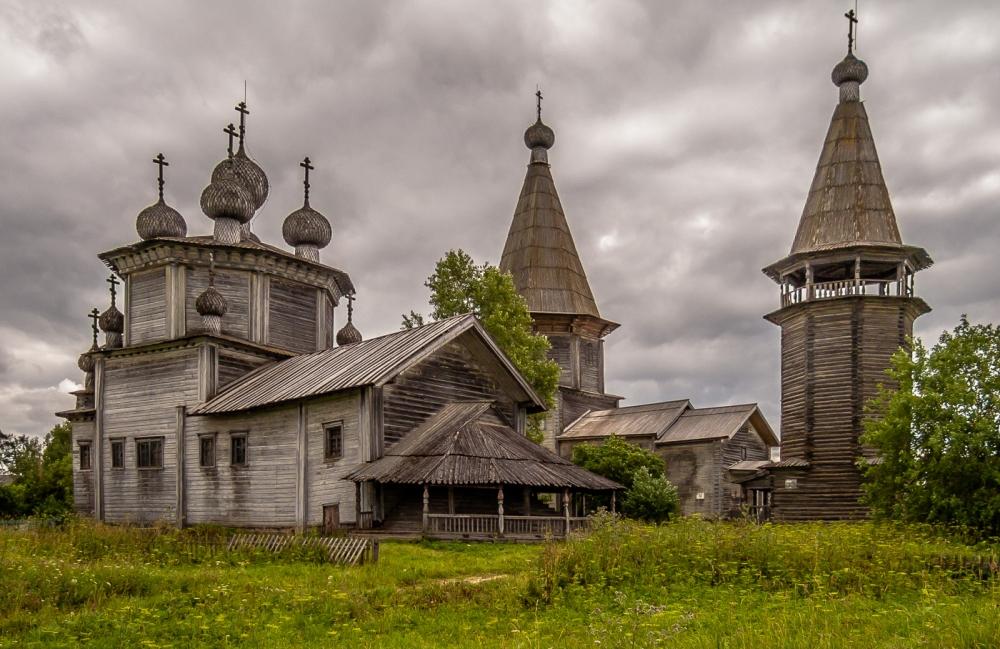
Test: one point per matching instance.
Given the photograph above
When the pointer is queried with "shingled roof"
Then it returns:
(469, 444)
(370, 362)
(540, 252)
(848, 202)
(671, 422)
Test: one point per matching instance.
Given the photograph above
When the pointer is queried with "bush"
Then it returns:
(617, 460)
(651, 498)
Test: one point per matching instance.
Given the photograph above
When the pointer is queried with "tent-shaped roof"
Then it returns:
(370, 362)
(469, 444)
(671, 422)
(540, 253)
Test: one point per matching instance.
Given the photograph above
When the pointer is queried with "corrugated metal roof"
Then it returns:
(370, 362)
(648, 419)
(467, 444)
(708, 423)
(749, 465)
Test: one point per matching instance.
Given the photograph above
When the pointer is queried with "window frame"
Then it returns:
(152, 439)
(233, 436)
(211, 437)
(120, 443)
(328, 456)
(89, 446)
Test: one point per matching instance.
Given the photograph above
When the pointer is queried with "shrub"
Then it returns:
(617, 460)
(650, 498)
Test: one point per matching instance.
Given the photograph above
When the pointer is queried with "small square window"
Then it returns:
(238, 449)
(206, 450)
(84, 456)
(791, 483)
(334, 436)
(117, 454)
(149, 453)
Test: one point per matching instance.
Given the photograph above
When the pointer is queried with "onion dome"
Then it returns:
(112, 320)
(211, 302)
(538, 134)
(349, 334)
(305, 228)
(159, 219)
(850, 69)
(86, 362)
(226, 197)
(248, 173)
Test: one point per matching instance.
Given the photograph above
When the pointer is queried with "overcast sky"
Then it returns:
(687, 134)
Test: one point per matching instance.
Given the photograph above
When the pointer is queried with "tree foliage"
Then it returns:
(617, 460)
(648, 495)
(459, 285)
(938, 436)
(651, 497)
(42, 471)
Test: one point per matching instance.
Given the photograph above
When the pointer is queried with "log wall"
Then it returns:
(83, 481)
(696, 468)
(834, 355)
(291, 315)
(234, 285)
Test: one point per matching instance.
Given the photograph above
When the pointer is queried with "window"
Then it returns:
(791, 483)
(334, 436)
(238, 449)
(84, 456)
(743, 452)
(117, 454)
(206, 450)
(149, 453)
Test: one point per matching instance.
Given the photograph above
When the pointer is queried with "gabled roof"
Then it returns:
(671, 422)
(371, 362)
(468, 444)
(651, 419)
(540, 253)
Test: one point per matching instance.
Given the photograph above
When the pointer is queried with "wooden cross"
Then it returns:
(161, 162)
(231, 131)
(307, 165)
(94, 315)
(852, 20)
(242, 109)
(350, 306)
(538, 93)
(114, 283)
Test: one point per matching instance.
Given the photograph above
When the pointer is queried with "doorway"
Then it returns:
(331, 519)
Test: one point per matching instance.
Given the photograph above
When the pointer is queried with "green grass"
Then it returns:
(686, 584)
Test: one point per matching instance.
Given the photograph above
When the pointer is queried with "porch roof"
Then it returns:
(469, 444)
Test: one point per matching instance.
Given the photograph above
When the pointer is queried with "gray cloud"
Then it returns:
(686, 138)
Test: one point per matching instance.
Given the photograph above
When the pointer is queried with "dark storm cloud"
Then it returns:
(686, 139)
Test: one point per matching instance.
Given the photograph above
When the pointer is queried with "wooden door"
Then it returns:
(331, 519)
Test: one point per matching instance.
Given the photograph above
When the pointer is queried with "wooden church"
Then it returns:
(224, 393)
(698, 444)
(847, 304)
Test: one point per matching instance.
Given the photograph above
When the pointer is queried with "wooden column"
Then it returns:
(857, 273)
(451, 500)
(566, 510)
(301, 510)
(500, 510)
(179, 443)
(809, 281)
(527, 501)
(613, 494)
(357, 505)
(427, 508)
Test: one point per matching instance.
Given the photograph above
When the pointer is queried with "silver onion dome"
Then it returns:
(86, 361)
(248, 173)
(112, 320)
(348, 335)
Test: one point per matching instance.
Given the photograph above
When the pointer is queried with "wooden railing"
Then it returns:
(507, 526)
(846, 287)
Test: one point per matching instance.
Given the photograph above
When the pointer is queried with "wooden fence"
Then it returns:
(343, 550)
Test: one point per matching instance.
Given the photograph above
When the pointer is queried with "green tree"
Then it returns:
(938, 433)
(651, 497)
(617, 460)
(42, 471)
(459, 285)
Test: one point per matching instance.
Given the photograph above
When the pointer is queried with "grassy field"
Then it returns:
(687, 584)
